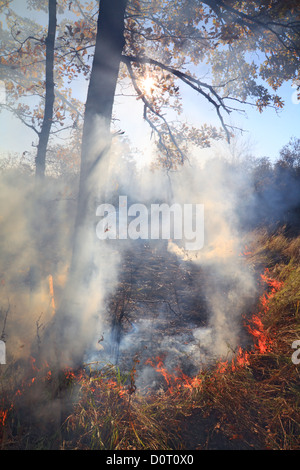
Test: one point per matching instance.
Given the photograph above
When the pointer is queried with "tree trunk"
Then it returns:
(75, 319)
(49, 96)
(96, 137)
(40, 160)
(101, 92)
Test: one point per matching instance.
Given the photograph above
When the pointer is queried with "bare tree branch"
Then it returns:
(147, 106)
(194, 83)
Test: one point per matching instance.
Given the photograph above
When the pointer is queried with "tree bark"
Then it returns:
(101, 92)
(40, 160)
(49, 95)
(76, 316)
(96, 137)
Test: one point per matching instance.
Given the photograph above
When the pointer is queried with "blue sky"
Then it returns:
(267, 132)
(270, 131)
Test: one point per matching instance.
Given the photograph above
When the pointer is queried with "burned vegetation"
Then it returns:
(158, 298)
(161, 311)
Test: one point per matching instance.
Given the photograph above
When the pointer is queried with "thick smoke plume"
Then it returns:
(227, 285)
(36, 250)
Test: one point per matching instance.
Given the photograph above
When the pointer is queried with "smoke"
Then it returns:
(224, 286)
(229, 284)
(126, 298)
(34, 252)
(49, 309)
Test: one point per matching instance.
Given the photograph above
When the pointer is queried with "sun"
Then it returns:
(148, 85)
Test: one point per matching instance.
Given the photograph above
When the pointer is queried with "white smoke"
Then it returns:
(229, 285)
(226, 290)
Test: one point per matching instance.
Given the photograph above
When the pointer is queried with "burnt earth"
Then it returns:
(159, 302)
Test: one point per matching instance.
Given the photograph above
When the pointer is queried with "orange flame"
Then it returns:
(257, 330)
(246, 252)
(116, 387)
(174, 381)
(242, 358)
(273, 283)
(3, 416)
(222, 367)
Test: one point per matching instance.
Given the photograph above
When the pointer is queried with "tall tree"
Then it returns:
(36, 72)
(49, 94)
(101, 92)
(248, 48)
(71, 332)
(150, 41)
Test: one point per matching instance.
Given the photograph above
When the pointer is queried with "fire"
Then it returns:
(174, 381)
(246, 252)
(241, 360)
(159, 367)
(257, 329)
(222, 367)
(3, 416)
(263, 345)
(190, 383)
(258, 332)
(273, 283)
(116, 387)
(263, 342)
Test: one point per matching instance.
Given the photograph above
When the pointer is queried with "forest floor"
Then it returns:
(249, 400)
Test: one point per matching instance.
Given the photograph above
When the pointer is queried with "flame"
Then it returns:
(241, 360)
(32, 362)
(222, 367)
(159, 367)
(273, 283)
(3, 416)
(246, 252)
(169, 378)
(257, 329)
(174, 381)
(263, 344)
(116, 387)
(33, 374)
(258, 332)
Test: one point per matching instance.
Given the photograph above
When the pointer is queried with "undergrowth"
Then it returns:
(251, 402)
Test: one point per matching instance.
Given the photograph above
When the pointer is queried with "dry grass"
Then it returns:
(253, 405)
(259, 404)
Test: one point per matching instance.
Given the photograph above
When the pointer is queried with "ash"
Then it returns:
(159, 310)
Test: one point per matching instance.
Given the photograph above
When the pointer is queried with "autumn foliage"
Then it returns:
(247, 401)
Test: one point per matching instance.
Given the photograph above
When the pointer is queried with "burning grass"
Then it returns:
(250, 401)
